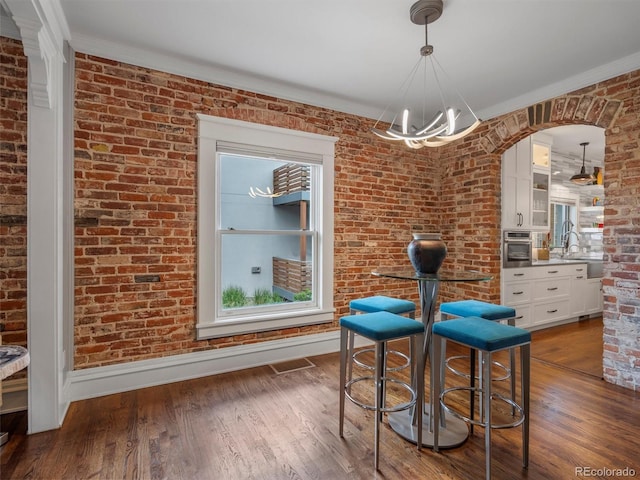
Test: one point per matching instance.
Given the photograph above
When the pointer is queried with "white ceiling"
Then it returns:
(352, 55)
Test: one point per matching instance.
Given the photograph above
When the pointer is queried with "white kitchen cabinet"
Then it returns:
(549, 293)
(525, 184)
(579, 292)
(517, 292)
(594, 298)
(517, 181)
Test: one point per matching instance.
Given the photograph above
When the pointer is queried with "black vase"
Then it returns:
(426, 252)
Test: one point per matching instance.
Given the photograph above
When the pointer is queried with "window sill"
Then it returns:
(228, 328)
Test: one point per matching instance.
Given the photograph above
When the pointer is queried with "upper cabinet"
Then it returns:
(525, 184)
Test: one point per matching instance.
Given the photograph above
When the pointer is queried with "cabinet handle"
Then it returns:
(551, 289)
(518, 293)
(579, 269)
(552, 311)
(579, 277)
(518, 274)
(519, 317)
(552, 271)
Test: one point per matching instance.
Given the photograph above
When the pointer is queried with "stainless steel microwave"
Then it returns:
(517, 248)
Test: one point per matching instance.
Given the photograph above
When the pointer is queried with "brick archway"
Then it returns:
(471, 186)
(567, 110)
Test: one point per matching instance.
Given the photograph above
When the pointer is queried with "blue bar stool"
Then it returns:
(488, 311)
(487, 337)
(378, 303)
(381, 327)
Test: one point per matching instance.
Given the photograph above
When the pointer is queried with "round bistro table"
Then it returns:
(453, 431)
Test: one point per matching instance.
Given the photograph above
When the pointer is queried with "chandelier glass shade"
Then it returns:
(423, 129)
(583, 178)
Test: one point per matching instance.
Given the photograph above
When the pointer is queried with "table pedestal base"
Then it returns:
(452, 436)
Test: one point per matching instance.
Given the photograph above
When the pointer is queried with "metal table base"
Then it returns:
(454, 435)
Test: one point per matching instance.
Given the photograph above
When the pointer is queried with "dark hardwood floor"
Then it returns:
(254, 424)
(579, 350)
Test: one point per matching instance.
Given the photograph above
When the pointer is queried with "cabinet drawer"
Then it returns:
(523, 315)
(559, 270)
(553, 271)
(579, 269)
(517, 274)
(551, 288)
(548, 312)
(517, 292)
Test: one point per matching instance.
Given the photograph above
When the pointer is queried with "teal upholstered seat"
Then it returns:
(488, 311)
(482, 334)
(382, 326)
(380, 303)
(487, 337)
(476, 308)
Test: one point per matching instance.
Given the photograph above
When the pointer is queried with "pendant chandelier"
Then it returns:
(424, 129)
(583, 178)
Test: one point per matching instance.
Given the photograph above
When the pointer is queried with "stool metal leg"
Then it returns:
(472, 385)
(486, 393)
(352, 337)
(512, 365)
(344, 333)
(379, 396)
(525, 367)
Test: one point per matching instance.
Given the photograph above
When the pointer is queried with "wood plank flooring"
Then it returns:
(255, 424)
(580, 349)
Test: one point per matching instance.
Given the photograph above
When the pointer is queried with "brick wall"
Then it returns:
(135, 206)
(13, 193)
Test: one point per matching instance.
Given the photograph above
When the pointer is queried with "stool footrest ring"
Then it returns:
(360, 363)
(505, 376)
(396, 408)
(494, 396)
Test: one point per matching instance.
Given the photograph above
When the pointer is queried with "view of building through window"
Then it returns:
(267, 233)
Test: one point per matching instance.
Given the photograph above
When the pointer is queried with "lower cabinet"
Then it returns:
(550, 293)
(593, 296)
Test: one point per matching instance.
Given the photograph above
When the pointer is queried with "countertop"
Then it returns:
(563, 261)
(557, 261)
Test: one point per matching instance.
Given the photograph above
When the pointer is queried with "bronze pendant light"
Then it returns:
(583, 178)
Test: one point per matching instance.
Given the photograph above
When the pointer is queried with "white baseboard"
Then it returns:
(99, 381)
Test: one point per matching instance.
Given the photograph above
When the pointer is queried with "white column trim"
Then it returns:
(48, 258)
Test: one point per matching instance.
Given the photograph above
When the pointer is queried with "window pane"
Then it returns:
(261, 270)
(263, 194)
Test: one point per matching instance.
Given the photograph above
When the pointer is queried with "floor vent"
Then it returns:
(291, 365)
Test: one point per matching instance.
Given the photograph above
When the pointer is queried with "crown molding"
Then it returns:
(590, 77)
(42, 28)
(8, 28)
(218, 74)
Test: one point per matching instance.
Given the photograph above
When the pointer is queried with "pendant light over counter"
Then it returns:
(583, 178)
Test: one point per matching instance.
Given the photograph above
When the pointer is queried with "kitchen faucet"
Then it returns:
(567, 231)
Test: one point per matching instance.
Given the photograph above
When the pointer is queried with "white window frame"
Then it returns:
(211, 132)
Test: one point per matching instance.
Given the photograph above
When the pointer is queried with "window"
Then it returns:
(265, 227)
